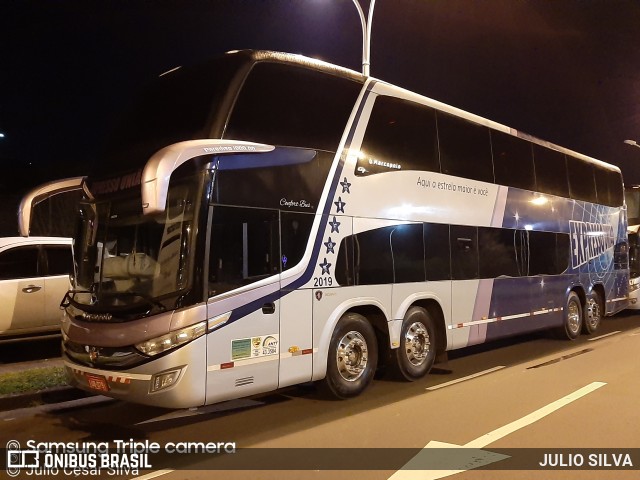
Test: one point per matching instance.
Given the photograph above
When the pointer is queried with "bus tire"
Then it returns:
(573, 320)
(352, 358)
(417, 351)
(595, 311)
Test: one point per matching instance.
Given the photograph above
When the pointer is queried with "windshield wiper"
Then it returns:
(118, 295)
(104, 302)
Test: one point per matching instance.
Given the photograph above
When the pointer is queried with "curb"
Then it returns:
(42, 397)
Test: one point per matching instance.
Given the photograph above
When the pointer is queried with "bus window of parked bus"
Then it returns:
(551, 171)
(603, 193)
(616, 191)
(548, 253)
(464, 252)
(500, 251)
(373, 258)
(581, 180)
(244, 247)
(401, 135)
(294, 230)
(344, 264)
(286, 178)
(512, 161)
(407, 250)
(303, 109)
(437, 257)
(465, 148)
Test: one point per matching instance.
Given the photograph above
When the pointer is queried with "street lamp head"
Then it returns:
(632, 142)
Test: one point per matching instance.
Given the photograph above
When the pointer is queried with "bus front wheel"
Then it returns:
(417, 351)
(353, 357)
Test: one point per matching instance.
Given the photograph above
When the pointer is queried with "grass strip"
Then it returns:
(28, 381)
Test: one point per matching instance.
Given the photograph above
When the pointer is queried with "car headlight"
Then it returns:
(172, 339)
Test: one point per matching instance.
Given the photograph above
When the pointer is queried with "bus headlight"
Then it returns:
(172, 339)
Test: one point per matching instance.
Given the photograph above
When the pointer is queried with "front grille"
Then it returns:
(104, 357)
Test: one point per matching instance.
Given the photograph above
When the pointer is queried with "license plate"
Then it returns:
(97, 382)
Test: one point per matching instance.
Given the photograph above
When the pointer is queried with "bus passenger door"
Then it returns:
(296, 341)
(243, 343)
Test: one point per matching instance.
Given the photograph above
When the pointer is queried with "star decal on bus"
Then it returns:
(339, 205)
(334, 225)
(330, 244)
(325, 267)
(345, 186)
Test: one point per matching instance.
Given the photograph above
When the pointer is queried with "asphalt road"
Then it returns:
(524, 399)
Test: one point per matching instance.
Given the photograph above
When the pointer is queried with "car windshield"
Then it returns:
(127, 261)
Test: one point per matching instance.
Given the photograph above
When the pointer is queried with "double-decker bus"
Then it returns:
(268, 219)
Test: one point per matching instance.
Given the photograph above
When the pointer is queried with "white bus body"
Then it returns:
(251, 264)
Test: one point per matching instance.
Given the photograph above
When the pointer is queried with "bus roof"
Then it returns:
(319, 65)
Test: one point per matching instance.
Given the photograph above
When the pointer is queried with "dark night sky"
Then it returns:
(567, 71)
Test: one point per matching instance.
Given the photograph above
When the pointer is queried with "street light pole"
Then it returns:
(366, 35)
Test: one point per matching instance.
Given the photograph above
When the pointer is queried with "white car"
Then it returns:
(34, 277)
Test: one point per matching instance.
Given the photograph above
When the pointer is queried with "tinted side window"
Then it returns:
(512, 161)
(602, 185)
(407, 249)
(20, 262)
(437, 253)
(294, 235)
(581, 181)
(548, 253)
(294, 106)
(244, 247)
(373, 259)
(344, 264)
(465, 148)
(464, 252)
(499, 252)
(59, 261)
(551, 171)
(616, 191)
(286, 178)
(401, 135)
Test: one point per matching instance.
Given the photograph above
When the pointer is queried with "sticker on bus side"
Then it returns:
(254, 347)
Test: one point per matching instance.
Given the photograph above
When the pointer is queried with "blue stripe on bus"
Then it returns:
(255, 305)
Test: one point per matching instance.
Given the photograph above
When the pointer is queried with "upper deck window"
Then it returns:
(292, 106)
(551, 171)
(465, 148)
(401, 135)
(512, 161)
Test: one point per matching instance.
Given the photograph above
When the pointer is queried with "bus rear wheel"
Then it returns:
(417, 351)
(595, 311)
(352, 359)
(573, 320)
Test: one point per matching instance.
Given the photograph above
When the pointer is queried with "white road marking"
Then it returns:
(491, 437)
(469, 377)
(603, 336)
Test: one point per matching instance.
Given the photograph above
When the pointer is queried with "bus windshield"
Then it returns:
(132, 264)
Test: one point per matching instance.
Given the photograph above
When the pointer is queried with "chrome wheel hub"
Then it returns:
(417, 343)
(573, 318)
(594, 314)
(352, 356)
